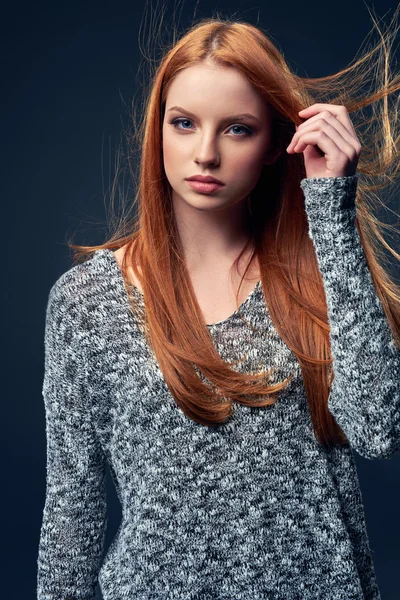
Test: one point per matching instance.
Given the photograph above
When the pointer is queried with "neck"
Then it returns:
(211, 239)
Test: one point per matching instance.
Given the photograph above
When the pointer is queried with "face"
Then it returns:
(205, 136)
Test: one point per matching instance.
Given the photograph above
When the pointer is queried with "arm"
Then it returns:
(365, 394)
(74, 516)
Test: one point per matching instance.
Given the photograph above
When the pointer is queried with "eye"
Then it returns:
(175, 122)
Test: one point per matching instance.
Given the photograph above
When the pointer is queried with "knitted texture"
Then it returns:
(249, 510)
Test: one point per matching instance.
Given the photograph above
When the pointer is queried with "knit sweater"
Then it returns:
(252, 509)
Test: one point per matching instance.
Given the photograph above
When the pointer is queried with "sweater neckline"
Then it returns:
(108, 255)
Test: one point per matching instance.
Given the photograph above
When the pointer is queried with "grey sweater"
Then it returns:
(253, 509)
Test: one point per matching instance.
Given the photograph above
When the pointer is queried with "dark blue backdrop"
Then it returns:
(70, 73)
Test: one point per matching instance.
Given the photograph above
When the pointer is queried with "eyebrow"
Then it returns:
(231, 118)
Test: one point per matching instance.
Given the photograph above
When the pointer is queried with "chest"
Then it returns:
(217, 297)
(216, 294)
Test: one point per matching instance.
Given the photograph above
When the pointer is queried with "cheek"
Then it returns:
(171, 153)
(247, 165)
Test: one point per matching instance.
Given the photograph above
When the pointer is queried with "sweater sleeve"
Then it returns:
(74, 517)
(365, 393)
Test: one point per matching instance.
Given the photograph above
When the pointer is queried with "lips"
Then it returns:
(205, 187)
(204, 179)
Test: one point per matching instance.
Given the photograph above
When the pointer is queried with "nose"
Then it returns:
(207, 152)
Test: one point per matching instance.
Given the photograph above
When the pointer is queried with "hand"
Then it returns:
(327, 140)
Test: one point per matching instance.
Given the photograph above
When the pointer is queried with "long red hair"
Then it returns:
(291, 280)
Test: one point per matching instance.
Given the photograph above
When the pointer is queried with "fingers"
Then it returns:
(321, 133)
(339, 111)
(328, 141)
(331, 119)
(337, 158)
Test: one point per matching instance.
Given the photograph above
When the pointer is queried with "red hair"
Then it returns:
(291, 280)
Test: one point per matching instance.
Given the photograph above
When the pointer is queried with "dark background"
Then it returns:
(70, 71)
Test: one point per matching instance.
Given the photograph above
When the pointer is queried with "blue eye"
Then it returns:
(175, 122)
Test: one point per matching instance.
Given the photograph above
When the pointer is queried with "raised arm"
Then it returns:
(365, 394)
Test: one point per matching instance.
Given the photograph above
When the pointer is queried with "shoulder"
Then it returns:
(73, 285)
(90, 295)
(75, 296)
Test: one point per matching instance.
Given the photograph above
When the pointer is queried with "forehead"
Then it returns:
(205, 89)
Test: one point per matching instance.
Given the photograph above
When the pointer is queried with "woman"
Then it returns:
(257, 284)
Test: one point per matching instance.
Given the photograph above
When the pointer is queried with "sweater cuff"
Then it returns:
(337, 192)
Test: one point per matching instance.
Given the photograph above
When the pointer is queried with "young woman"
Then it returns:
(227, 357)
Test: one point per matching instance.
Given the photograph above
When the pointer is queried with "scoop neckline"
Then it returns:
(107, 252)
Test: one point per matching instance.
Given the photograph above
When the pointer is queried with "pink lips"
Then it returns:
(205, 178)
(203, 186)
